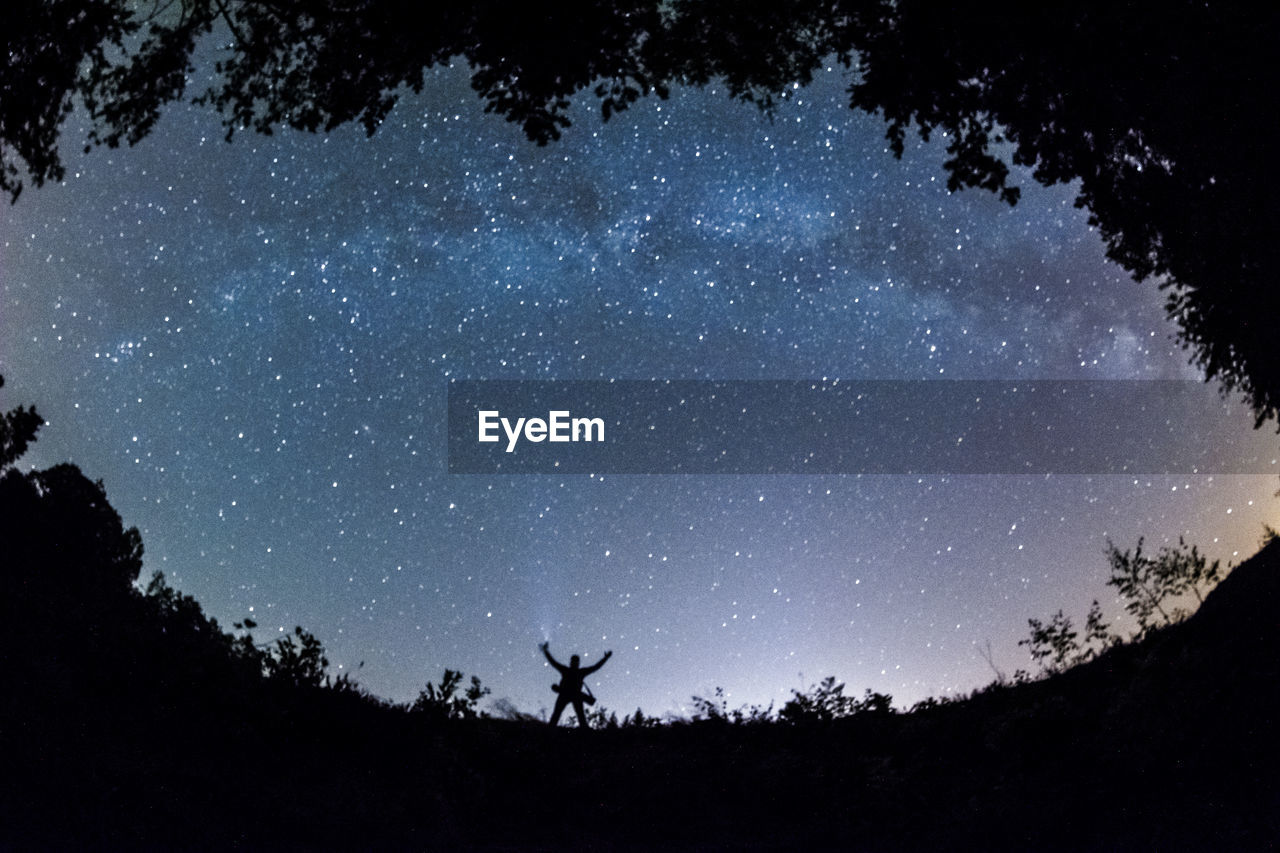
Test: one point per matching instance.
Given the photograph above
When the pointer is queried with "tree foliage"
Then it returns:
(68, 576)
(65, 546)
(18, 429)
(1052, 644)
(1156, 109)
(715, 709)
(55, 47)
(826, 701)
(1156, 590)
(296, 660)
(1056, 645)
(449, 700)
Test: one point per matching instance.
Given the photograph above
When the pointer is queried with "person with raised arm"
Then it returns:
(571, 688)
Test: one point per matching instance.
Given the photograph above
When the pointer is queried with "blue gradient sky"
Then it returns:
(250, 344)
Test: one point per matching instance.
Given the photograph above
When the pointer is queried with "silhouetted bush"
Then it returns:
(1155, 590)
(1154, 587)
(299, 663)
(826, 701)
(445, 702)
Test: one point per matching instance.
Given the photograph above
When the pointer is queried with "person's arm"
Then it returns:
(597, 664)
(546, 650)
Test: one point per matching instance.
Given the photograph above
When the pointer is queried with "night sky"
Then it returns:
(251, 343)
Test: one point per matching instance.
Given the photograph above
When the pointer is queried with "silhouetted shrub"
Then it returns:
(297, 664)
(638, 720)
(1155, 591)
(1153, 587)
(826, 701)
(446, 703)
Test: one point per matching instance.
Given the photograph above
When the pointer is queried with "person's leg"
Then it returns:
(582, 714)
(555, 715)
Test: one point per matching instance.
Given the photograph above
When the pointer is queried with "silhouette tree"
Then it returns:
(1153, 586)
(67, 588)
(1151, 107)
(445, 702)
(1155, 590)
(66, 549)
(299, 663)
(54, 48)
(67, 567)
(18, 429)
(826, 702)
(1055, 644)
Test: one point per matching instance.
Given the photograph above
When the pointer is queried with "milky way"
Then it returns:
(251, 343)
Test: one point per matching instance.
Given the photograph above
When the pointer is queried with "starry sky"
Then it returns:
(251, 345)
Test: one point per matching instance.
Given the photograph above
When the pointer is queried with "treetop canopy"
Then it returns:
(1163, 112)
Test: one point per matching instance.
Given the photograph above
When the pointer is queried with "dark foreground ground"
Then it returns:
(117, 733)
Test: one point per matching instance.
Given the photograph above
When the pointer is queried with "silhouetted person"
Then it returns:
(570, 688)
